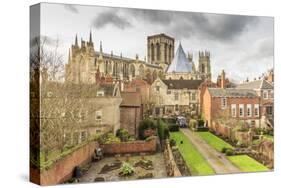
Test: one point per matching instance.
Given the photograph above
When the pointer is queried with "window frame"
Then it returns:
(265, 92)
(257, 106)
(176, 96)
(223, 103)
(241, 106)
(249, 106)
(96, 115)
(233, 109)
(193, 96)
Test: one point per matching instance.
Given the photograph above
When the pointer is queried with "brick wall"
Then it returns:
(130, 118)
(211, 108)
(206, 106)
(130, 147)
(62, 170)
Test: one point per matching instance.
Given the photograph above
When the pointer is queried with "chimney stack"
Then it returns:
(223, 81)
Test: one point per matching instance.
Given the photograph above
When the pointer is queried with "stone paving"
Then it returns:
(217, 160)
(157, 159)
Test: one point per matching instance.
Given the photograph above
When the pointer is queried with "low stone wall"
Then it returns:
(227, 132)
(266, 153)
(222, 129)
(130, 147)
(62, 170)
(171, 166)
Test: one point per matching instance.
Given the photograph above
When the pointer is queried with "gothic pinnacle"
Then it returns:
(90, 40)
(100, 46)
(76, 41)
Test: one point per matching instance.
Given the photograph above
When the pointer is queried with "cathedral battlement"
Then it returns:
(85, 46)
(204, 54)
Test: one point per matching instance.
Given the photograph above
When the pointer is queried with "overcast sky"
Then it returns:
(241, 45)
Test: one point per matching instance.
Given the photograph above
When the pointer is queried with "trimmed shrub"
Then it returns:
(163, 130)
(193, 124)
(173, 142)
(202, 129)
(201, 123)
(229, 152)
(108, 138)
(224, 149)
(144, 125)
(173, 127)
(123, 135)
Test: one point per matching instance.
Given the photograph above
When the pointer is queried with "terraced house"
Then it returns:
(265, 91)
(231, 103)
(175, 96)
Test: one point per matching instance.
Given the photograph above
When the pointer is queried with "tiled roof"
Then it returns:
(131, 99)
(126, 59)
(257, 84)
(183, 84)
(77, 90)
(232, 92)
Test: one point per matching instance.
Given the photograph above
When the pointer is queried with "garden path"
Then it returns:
(217, 160)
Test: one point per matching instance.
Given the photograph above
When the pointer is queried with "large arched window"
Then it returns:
(125, 70)
(132, 70)
(141, 71)
(165, 53)
(119, 68)
(154, 75)
(152, 52)
(115, 69)
(170, 53)
(109, 68)
(158, 52)
(203, 68)
(106, 67)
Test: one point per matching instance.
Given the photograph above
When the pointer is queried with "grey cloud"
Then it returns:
(181, 24)
(200, 25)
(211, 27)
(265, 47)
(71, 8)
(152, 16)
(262, 49)
(112, 18)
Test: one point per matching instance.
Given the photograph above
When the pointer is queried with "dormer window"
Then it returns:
(157, 88)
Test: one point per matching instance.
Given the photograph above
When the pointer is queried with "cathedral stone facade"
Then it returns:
(86, 64)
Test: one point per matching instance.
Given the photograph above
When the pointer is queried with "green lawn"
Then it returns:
(269, 137)
(194, 160)
(214, 141)
(247, 164)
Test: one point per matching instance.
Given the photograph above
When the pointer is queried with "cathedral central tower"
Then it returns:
(160, 49)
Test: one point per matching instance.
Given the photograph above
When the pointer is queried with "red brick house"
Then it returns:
(231, 103)
(265, 91)
(131, 112)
